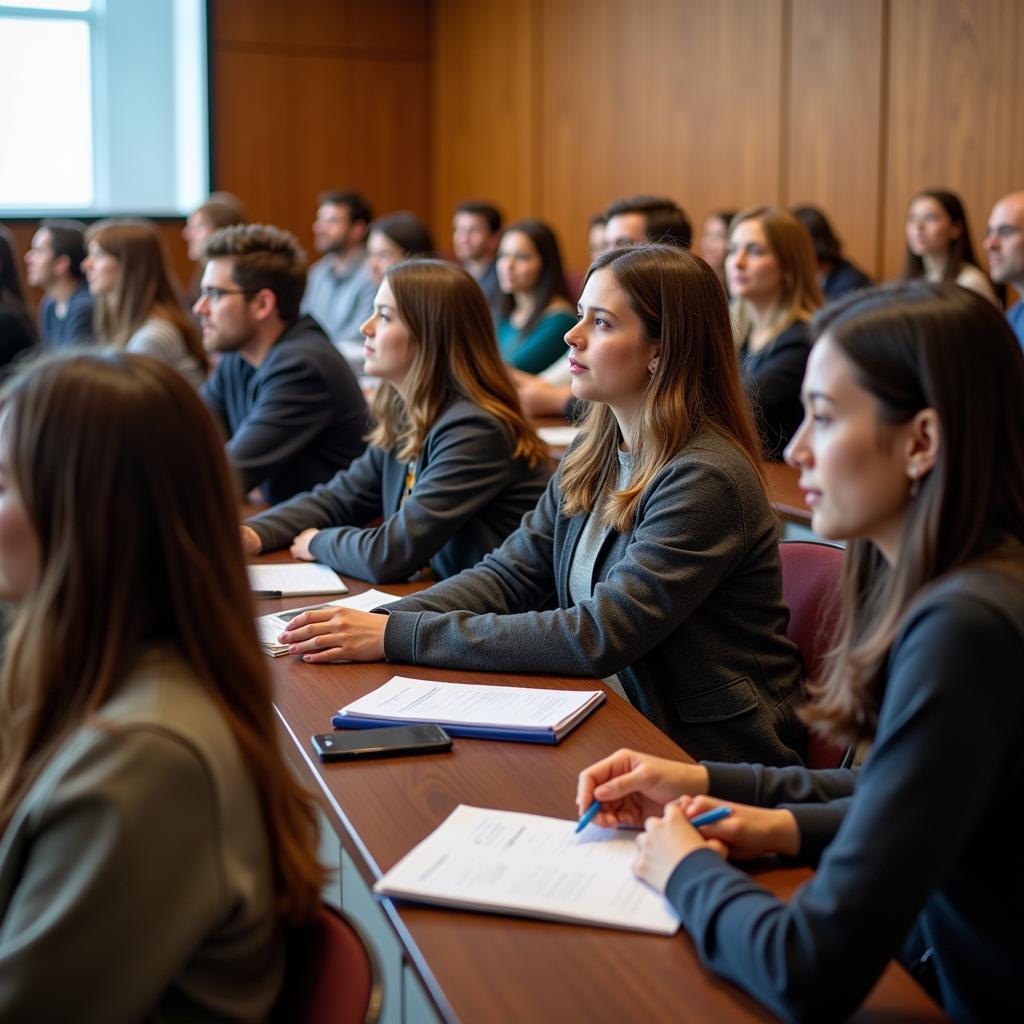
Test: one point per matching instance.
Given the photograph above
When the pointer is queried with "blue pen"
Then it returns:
(588, 815)
(709, 817)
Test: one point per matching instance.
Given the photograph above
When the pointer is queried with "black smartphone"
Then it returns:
(347, 744)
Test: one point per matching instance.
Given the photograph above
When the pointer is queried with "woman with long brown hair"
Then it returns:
(654, 541)
(137, 308)
(772, 277)
(153, 842)
(452, 463)
(898, 456)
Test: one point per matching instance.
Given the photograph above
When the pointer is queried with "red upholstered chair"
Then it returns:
(810, 586)
(331, 974)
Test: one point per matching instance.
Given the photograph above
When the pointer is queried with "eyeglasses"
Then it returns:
(213, 294)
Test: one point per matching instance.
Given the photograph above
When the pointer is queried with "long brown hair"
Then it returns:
(456, 354)
(961, 249)
(695, 386)
(550, 284)
(791, 245)
(143, 290)
(123, 476)
(917, 346)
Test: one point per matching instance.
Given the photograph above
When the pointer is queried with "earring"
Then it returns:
(915, 484)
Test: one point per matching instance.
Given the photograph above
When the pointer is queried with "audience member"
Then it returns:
(339, 292)
(535, 310)
(1004, 242)
(396, 237)
(476, 232)
(771, 272)
(595, 235)
(452, 464)
(939, 244)
(153, 841)
(836, 274)
(714, 240)
(16, 334)
(637, 220)
(136, 306)
(54, 264)
(926, 482)
(292, 409)
(654, 538)
(221, 210)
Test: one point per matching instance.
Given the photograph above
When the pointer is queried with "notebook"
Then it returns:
(477, 710)
(530, 866)
(294, 579)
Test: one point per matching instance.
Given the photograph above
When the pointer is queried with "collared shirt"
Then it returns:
(339, 302)
(74, 327)
(1015, 315)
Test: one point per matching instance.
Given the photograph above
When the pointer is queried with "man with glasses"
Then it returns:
(290, 405)
(1004, 242)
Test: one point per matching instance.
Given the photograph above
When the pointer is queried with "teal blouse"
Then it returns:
(543, 345)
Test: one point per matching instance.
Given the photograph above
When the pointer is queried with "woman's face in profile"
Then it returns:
(930, 230)
(102, 271)
(752, 269)
(853, 467)
(19, 545)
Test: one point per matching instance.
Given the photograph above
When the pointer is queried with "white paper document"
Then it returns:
(270, 626)
(531, 866)
(558, 437)
(475, 704)
(295, 579)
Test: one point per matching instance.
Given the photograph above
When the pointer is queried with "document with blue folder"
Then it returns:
(472, 709)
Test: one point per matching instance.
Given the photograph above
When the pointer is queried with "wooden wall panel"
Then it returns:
(834, 120)
(294, 125)
(660, 96)
(955, 115)
(483, 118)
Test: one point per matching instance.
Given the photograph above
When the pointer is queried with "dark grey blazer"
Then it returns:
(686, 608)
(469, 495)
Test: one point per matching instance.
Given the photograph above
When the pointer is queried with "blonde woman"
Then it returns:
(452, 463)
(652, 558)
(136, 306)
(772, 275)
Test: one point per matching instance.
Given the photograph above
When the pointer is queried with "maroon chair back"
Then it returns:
(331, 974)
(810, 586)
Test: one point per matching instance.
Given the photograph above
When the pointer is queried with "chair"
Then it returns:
(810, 586)
(331, 974)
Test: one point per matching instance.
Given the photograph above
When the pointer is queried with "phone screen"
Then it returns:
(400, 739)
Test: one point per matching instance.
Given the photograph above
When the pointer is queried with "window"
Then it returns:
(110, 112)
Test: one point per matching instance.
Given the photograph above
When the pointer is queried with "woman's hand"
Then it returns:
(748, 832)
(633, 786)
(339, 634)
(663, 844)
(300, 545)
(251, 543)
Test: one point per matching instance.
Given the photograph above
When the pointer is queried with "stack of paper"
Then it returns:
(270, 627)
(530, 866)
(294, 579)
(472, 709)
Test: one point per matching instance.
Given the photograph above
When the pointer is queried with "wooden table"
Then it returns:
(484, 967)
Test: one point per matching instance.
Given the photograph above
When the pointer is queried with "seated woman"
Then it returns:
(137, 308)
(836, 274)
(153, 842)
(536, 311)
(452, 463)
(771, 274)
(897, 455)
(654, 541)
(939, 244)
(393, 238)
(714, 241)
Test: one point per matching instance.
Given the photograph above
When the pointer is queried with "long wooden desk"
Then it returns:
(482, 967)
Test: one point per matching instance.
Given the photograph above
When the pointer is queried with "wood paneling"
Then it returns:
(660, 96)
(484, 87)
(955, 116)
(294, 125)
(833, 139)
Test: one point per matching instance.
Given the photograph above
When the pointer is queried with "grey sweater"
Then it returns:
(469, 495)
(686, 608)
